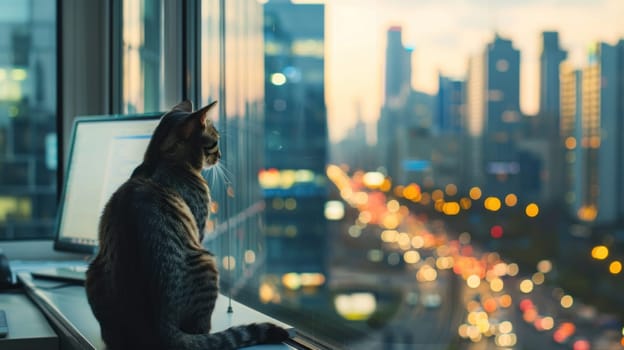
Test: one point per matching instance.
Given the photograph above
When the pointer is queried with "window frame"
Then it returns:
(82, 46)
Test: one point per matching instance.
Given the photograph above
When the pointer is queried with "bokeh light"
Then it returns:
(418, 242)
(278, 79)
(465, 203)
(615, 267)
(464, 238)
(600, 252)
(547, 323)
(496, 231)
(570, 143)
(544, 266)
(373, 179)
(473, 281)
(496, 284)
(475, 193)
(505, 301)
(505, 327)
(526, 286)
(334, 210)
(393, 206)
(426, 274)
(492, 204)
(567, 301)
(451, 208)
(513, 269)
(451, 189)
(355, 306)
(538, 278)
(511, 200)
(532, 210)
(581, 344)
(411, 257)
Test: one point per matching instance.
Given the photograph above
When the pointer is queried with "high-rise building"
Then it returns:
(472, 152)
(295, 114)
(501, 116)
(398, 67)
(620, 116)
(601, 136)
(549, 114)
(449, 106)
(28, 161)
(398, 91)
(571, 133)
(296, 137)
(551, 57)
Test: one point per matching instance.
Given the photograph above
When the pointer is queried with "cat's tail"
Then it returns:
(234, 337)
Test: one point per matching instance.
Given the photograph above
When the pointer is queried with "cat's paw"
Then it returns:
(273, 334)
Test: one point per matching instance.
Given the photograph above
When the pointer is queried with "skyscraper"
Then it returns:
(550, 59)
(397, 88)
(28, 109)
(502, 116)
(620, 112)
(398, 67)
(449, 105)
(601, 136)
(571, 133)
(295, 112)
(296, 139)
(472, 152)
(549, 114)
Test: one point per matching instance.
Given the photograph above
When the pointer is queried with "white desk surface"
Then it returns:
(71, 303)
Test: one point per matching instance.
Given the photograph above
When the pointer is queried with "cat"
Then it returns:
(151, 284)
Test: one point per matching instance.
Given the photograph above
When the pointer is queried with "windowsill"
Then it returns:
(67, 308)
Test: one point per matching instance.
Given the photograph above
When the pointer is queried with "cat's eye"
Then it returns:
(210, 146)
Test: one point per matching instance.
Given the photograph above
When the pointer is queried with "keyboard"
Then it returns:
(75, 274)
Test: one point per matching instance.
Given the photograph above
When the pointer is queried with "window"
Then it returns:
(405, 177)
(232, 61)
(142, 56)
(28, 143)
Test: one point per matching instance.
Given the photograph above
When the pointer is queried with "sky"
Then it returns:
(445, 33)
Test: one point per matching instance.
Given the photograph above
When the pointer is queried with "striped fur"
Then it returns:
(152, 285)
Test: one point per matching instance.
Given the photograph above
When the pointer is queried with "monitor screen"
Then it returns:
(103, 154)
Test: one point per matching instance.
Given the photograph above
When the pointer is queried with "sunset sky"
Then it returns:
(445, 33)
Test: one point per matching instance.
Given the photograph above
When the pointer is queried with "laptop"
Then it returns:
(103, 153)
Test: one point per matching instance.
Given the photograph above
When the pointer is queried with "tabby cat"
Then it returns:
(151, 284)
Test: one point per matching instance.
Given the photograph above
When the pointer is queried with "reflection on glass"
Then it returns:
(28, 158)
(142, 39)
(462, 189)
(236, 219)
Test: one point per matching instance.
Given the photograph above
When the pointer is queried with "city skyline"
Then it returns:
(444, 40)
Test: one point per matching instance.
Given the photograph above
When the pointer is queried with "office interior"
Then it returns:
(394, 175)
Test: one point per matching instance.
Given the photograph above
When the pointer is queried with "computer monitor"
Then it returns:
(103, 153)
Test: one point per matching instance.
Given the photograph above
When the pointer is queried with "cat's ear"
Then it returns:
(202, 113)
(197, 119)
(184, 106)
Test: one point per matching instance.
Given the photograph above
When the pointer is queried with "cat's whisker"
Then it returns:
(222, 162)
(215, 183)
(224, 176)
(225, 171)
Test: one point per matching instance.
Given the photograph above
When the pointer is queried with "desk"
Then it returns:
(28, 328)
(78, 329)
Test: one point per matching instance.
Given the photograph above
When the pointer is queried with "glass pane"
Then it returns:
(235, 190)
(28, 140)
(441, 174)
(142, 40)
